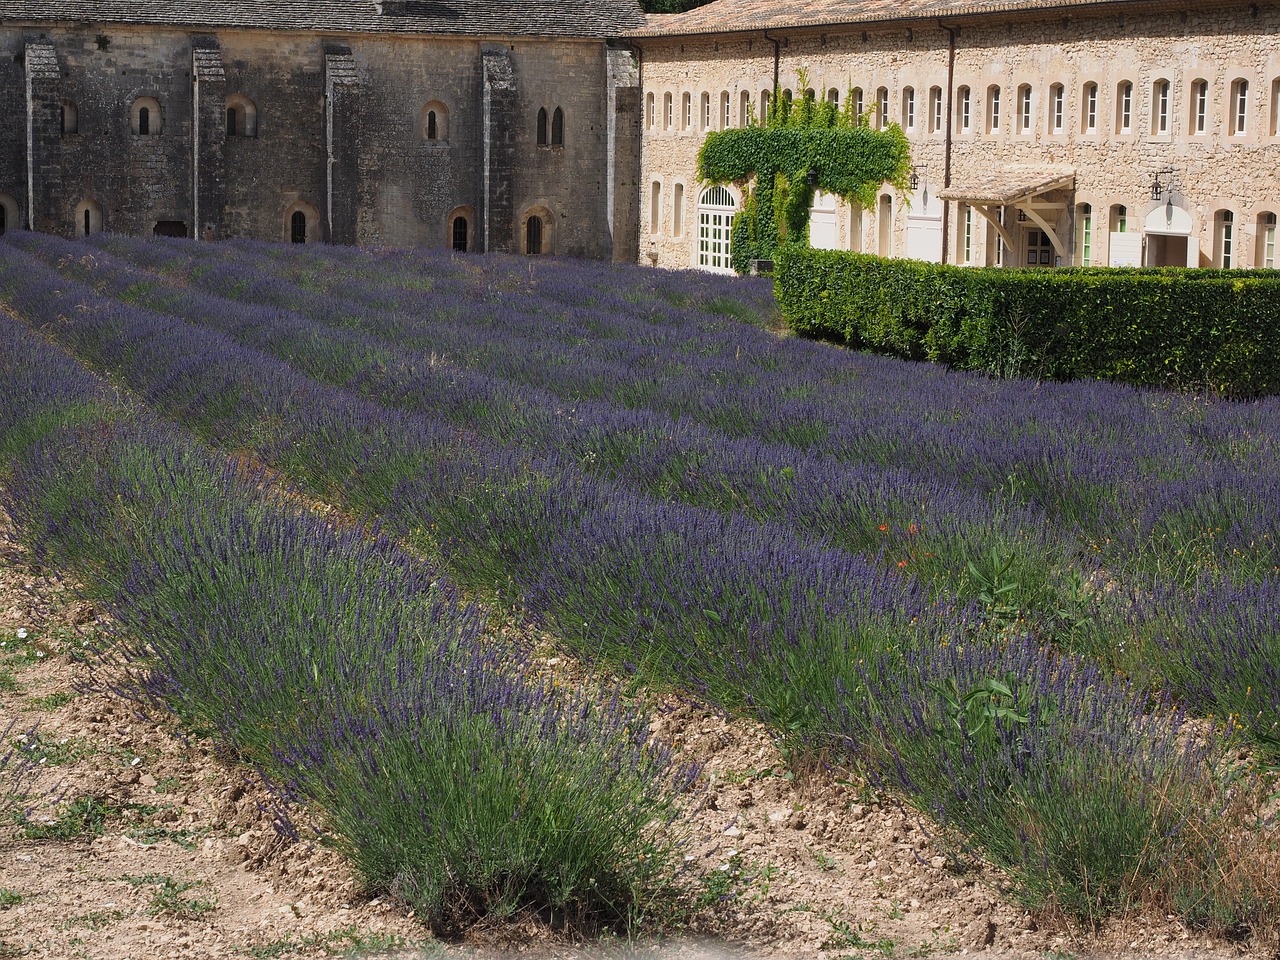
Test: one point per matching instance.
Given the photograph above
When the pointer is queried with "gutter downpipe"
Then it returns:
(946, 158)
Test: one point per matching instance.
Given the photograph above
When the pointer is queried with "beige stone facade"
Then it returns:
(1097, 134)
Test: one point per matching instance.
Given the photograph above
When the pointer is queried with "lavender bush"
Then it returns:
(1088, 793)
(329, 658)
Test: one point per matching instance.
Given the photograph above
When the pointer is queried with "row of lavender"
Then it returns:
(1031, 756)
(341, 666)
(1141, 474)
(1200, 475)
(928, 526)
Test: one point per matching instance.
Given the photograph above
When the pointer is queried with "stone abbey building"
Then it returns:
(1089, 133)
(503, 126)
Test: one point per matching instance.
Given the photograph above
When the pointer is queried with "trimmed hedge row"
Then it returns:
(1167, 327)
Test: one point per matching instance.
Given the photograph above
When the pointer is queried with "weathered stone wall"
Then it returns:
(340, 136)
(1210, 172)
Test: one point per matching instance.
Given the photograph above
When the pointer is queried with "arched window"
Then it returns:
(705, 104)
(650, 117)
(855, 104)
(1057, 107)
(1224, 239)
(935, 109)
(655, 207)
(833, 96)
(1160, 107)
(725, 117)
(533, 228)
(1199, 106)
(144, 117)
(543, 137)
(677, 210)
(301, 224)
(1089, 109)
(88, 217)
(744, 108)
(557, 128)
(1266, 243)
(908, 108)
(1124, 107)
(667, 111)
(1024, 108)
(964, 109)
(882, 107)
(242, 116)
(1239, 107)
(1275, 107)
(716, 208)
(1119, 219)
(1084, 217)
(70, 117)
(765, 97)
(686, 112)
(460, 235)
(433, 122)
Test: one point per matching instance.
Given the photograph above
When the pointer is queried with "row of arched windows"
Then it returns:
(1123, 109)
(146, 117)
(925, 112)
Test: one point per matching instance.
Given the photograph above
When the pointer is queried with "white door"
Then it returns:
(824, 231)
(715, 226)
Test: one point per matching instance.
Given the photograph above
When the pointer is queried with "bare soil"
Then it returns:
(185, 862)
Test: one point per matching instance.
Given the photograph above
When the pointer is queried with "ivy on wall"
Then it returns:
(804, 145)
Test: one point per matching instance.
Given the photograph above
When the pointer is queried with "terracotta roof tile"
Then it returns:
(737, 16)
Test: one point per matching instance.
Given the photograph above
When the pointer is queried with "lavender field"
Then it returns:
(1002, 601)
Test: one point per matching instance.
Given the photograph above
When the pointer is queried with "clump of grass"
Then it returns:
(85, 816)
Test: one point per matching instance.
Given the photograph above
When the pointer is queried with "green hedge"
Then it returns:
(1168, 327)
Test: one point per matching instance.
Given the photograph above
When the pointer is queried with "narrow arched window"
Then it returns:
(542, 126)
(459, 239)
(298, 227)
(433, 122)
(557, 128)
(88, 217)
(144, 117)
(242, 116)
(533, 236)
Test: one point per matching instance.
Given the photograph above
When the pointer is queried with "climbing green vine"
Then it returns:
(846, 156)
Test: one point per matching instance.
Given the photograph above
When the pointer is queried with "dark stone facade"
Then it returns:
(330, 126)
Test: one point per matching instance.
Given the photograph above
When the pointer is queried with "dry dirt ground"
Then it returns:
(168, 851)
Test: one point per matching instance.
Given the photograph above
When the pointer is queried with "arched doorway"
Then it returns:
(716, 208)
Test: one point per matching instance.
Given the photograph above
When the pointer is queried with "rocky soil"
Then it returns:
(140, 842)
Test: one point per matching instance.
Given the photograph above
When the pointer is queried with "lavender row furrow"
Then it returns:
(1107, 459)
(499, 514)
(327, 656)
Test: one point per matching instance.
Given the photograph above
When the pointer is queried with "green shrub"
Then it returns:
(1168, 327)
